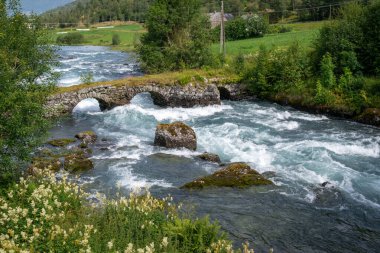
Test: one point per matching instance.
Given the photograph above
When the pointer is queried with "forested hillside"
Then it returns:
(94, 11)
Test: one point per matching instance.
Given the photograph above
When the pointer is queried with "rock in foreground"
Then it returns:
(175, 135)
(370, 116)
(88, 137)
(44, 163)
(238, 175)
(78, 162)
(61, 142)
(210, 157)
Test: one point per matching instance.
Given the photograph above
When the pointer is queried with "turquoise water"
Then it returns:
(101, 62)
(300, 150)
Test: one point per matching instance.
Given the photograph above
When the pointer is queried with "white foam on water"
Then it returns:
(369, 150)
(180, 152)
(133, 181)
(182, 114)
(226, 140)
(87, 105)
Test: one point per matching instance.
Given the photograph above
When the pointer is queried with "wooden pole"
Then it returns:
(222, 32)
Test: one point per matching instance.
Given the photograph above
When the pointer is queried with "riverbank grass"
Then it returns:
(128, 34)
(198, 76)
(46, 214)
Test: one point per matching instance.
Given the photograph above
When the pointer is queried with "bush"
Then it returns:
(239, 28)
(371, 34)
(346, 41)
(257, 26)
(87, 78)
(277, 70)
(278, 29)
(43, 214)
(70, 39)
(116, 40)
(327, 72)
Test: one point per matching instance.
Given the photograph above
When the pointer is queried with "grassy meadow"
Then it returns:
(303, 33)
(129, 34)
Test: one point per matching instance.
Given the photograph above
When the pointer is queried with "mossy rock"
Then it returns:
(370, 116)
(87, 137)
(237, 175)
(77, 163)
(44, 163)
(61, 142)
(210, 157)
(175, 135)
(83, 145)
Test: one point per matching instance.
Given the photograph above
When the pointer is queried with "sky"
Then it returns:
(39, 6)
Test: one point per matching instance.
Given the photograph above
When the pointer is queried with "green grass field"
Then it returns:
(303, 33)
(129, 34)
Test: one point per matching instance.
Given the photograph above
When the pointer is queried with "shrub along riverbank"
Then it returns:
(339, 76)
(44, 214)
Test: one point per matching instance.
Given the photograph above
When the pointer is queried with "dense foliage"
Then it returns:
(25, 80)
(339, 74)
(178, 36)
(43, 214)
(352, 41)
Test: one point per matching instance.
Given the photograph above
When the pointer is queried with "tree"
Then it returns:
(371, 31)
(26, 78)
(178, 36)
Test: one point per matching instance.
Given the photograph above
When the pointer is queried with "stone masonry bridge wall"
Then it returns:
(110, 96)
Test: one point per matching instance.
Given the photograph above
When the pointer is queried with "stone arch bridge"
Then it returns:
(110, 96)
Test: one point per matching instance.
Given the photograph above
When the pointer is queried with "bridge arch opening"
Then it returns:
(91, 105)
(225, 94)
(149, 99)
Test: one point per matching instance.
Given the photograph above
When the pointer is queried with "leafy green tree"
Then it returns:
(371, 30)
(178, 36)
(26, 78)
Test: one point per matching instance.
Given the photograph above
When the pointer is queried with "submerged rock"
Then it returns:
(78, 162)
(238, 175)
(61, 142)
(210, 157)
(269, 174)
(175, 135)
(87, 137)
(44, 163)
(327, 195)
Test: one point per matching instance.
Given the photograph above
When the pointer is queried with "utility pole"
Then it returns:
(330, 12)
(222, 32)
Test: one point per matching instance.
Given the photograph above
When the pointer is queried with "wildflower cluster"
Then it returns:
(32, 215)
(43, 214)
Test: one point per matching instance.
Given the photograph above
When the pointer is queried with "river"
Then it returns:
(300, 150)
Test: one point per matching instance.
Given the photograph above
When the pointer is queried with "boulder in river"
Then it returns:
(210, 157)
(61, 142)
(370, 116)
(175, 135)
(78, 162)
(44, 163)
(87, 137)
(239, 175)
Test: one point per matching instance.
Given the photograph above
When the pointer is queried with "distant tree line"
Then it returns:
(94, 11)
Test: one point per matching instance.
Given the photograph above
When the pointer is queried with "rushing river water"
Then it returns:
(101, 62)
(301, 151)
